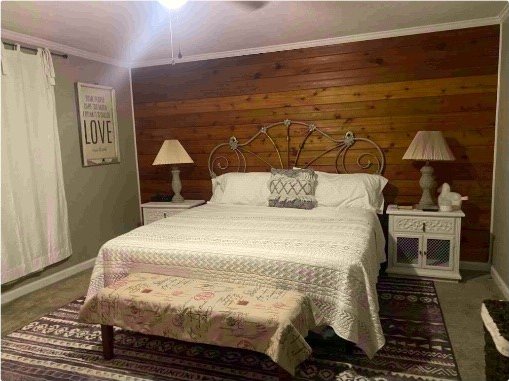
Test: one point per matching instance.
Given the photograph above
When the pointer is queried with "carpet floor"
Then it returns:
(57, 347)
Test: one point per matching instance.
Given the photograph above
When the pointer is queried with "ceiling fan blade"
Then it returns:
(250, 5)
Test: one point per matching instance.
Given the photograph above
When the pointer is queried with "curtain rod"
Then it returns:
(34, 50)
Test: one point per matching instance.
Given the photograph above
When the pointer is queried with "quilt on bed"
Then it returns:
(333, 255)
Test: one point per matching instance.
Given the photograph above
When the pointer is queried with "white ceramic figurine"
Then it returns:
(448, 200)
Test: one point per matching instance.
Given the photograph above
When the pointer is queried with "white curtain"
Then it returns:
(35, 229)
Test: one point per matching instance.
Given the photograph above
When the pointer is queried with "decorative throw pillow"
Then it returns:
(292, 188)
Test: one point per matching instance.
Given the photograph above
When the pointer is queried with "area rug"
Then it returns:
(57, 347)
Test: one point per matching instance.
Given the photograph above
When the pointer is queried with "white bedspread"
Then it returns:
(332, 255)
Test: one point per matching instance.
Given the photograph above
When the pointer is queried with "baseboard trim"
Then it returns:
(9, 296)
(502, 286)
(479, 266)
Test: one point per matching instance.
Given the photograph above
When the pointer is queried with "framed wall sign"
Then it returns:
(98, 124)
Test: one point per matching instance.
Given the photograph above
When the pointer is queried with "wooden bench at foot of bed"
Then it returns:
(262, 319)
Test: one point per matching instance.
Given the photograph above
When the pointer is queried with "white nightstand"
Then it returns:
(153, 211)
(425, 244)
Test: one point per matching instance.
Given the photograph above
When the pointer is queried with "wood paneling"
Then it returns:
(385, 89)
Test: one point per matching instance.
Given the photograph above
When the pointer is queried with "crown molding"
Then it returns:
(61, 48)
(21, 38)
(327, 41)
(504, 13)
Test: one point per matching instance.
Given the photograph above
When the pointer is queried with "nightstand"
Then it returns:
(425, 244)
(153, 211)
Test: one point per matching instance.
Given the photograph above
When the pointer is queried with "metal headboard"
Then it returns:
(364, 160)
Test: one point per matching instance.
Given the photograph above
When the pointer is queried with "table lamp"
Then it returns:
(172, 152)
(428, 146)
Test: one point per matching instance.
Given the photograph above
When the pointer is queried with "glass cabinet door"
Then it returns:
(438, 253)
(408, 250)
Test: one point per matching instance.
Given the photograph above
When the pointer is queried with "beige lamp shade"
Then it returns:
(172, 152)
(429, 146)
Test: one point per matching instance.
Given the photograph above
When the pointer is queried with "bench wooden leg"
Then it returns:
(349, 347)
(107, 339)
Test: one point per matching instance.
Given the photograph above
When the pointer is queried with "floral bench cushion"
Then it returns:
(262, 319)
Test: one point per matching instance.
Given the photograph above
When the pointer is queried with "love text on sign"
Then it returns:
(98, 124)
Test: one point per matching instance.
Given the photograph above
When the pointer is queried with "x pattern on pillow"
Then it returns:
(293, 188)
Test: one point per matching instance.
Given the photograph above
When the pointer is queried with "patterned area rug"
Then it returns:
(57, 347)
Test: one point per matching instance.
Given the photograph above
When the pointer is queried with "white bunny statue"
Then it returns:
(448, 200)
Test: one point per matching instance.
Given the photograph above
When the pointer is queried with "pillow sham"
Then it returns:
(250, 188)
(217, 191)
(356, 190)
(292, 188)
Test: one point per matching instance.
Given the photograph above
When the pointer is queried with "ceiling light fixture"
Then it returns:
(171, 43)
(172, 4)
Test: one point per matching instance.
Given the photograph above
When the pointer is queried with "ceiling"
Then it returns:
(138, 31)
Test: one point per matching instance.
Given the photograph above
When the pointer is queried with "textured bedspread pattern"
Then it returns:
(331, 255)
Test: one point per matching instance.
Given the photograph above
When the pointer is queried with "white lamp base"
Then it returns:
(176, 185)
(427, 183)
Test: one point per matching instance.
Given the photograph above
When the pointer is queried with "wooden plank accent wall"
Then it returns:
(385, 89)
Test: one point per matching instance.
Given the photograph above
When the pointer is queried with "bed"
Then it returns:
(332, 254)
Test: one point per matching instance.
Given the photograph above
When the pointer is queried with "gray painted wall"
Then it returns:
(501, 199)
(102, 201)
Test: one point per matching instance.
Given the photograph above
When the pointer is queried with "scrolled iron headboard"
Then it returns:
(364, 159)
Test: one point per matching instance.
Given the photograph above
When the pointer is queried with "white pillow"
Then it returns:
(356, 190)
(217, 191)
(249, 188)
